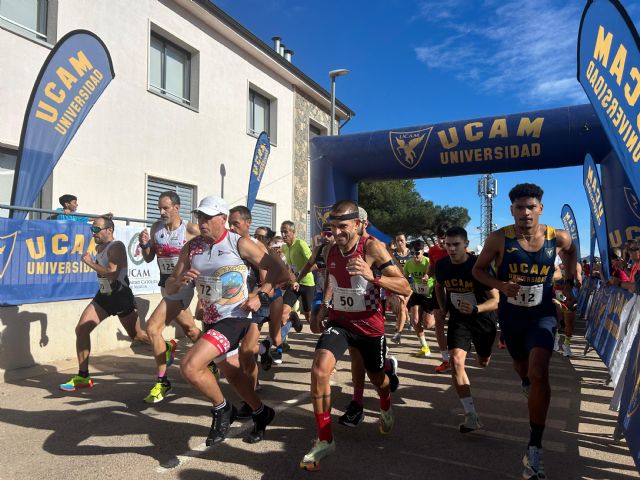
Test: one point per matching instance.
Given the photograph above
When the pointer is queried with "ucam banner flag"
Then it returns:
(609, 71)
(591, 182)
(571, 226)
(259, 163)
(73, 77)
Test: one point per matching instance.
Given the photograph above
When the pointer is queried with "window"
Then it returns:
(30, 16)
(7, 168)
(156, 186)
(262, 215)
(259, 113)
(169, 70)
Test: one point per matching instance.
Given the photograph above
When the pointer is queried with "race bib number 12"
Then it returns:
(528, 296)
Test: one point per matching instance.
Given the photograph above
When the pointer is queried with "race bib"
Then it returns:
(105, 286)
(209, 288)
(421, 288)
(167, 264)
(348, 299)
(528, 296)
(458, 298)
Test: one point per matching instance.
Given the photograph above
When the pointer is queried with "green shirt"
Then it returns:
(417, 270)
(297, 255)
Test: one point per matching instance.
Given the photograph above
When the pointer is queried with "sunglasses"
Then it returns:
(416, 252)
(326, 233)
(96, 229)
(634, 249)
(258, 236)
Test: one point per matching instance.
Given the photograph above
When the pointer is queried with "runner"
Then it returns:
(214, 263)
(398, 303)
(524, 255)
(114, 297)
(355, 320)
(436, 253)
(167, 237)
(421, 303)
(471, 307)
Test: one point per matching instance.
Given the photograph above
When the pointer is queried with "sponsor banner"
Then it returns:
(608, 70)
(41, 261)
(258, 165)
(629, 328)
(571, 226)
(143, 277)
(592, 246)
(74, 75)
(629, 417)
(591, 182)
(622, 209)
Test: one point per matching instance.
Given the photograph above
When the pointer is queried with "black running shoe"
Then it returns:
(260, 422)
(394, 381)
(295, 322)
(265, 358)
(244, 412)
(222, 420)
(276, 356)
(353, 416)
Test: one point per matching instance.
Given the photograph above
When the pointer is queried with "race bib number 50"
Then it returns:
(348, 299)
(528, 296)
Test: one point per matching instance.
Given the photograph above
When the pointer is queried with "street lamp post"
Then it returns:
(332, 75)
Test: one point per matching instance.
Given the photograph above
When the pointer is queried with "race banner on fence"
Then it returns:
(41, 261)
(629, 417)
(258, 165)
(72, 78)
(608, 61)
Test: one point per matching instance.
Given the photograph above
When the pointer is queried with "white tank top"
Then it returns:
(222, 283)
(167, 245)
(102, 258)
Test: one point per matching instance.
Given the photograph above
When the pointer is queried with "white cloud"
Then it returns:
(525, 49)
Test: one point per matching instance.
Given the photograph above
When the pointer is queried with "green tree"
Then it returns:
(396, 206)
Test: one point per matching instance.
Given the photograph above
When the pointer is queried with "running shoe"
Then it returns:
(397, 338)
(471, 423)
(260, 422)
(295, 322)
(394, 381)
(244, 412)
(220, 424)
(526, 386)
(276, 355)
(566, 350)
(386, 421)
(556, 344)
(158, 392)
(320, 449)
(533, 465)
(501, 344)
(266, 360)
(170, 352)
(76, 383)
(213, 368)
(444, 367)
(285, 346)
(423, 352)
(353, 415)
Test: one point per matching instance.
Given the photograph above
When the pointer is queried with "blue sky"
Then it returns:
(415, 62)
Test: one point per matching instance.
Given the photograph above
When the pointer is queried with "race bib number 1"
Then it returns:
(348, 300)
(528, 296)
(167, 264)
(105, 286)
(209, 288)
(458, 298)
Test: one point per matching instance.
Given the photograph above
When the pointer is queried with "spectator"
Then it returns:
(618, 275)
(69, 206)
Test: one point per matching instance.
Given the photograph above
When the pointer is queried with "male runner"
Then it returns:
(214, 263)
(114, 297)
(471, 307)
(356, 320)
(436, 253)
(421, 303)
(524, 255)
(168, 236)
(398, 303)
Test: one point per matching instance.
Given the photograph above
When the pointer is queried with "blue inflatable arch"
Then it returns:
(525, 141)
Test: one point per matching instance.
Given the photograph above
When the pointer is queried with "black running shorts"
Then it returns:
(337, 339)
(120, 302)
(480, 330)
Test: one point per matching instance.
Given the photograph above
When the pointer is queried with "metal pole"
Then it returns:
(333, 104)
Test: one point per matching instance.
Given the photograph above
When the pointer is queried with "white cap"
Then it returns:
(212, 205)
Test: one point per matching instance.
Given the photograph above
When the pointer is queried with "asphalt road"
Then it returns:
(109, 432)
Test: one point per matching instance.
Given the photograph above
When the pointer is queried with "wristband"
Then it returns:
(144, 246)
(376, 281)
(475, 310)
(264, 299)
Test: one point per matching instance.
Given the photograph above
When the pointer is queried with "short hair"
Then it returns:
(290, 224)
(615, 254)
(270, 233)
(417, 244)
(244, 212)
(400, 234)
(108, 223)
(171, 195)
(441, 230)
(525, 190)
(66, 198)
(457, 232)
(345, 206)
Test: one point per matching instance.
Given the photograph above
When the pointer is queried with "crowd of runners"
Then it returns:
(524, 280)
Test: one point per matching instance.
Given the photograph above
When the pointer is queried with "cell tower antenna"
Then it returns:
(487, 191)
